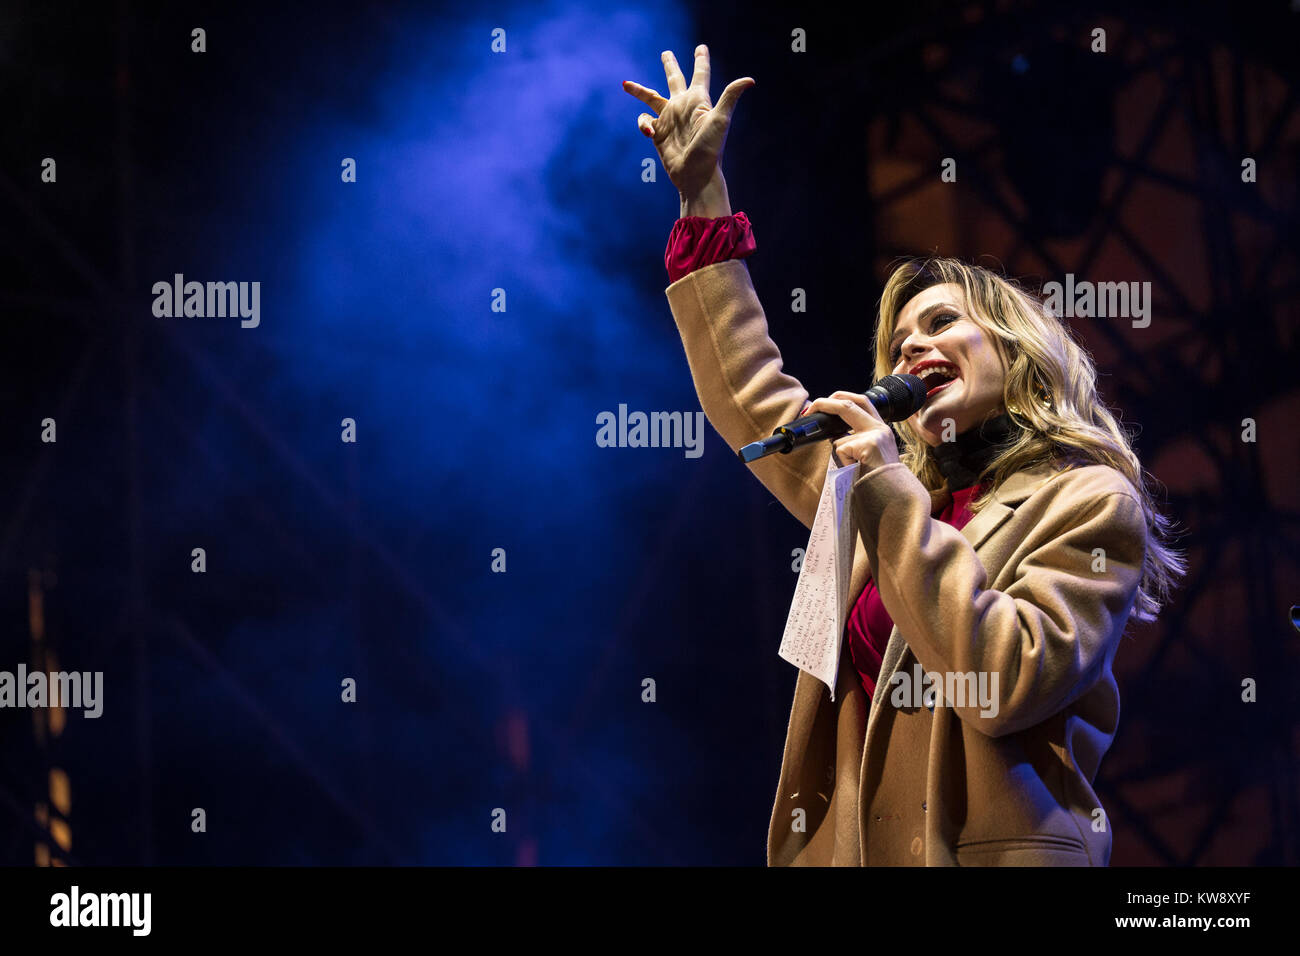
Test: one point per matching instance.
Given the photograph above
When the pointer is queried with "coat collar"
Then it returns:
(1013, 491)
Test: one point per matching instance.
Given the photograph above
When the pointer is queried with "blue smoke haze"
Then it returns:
(476, 430)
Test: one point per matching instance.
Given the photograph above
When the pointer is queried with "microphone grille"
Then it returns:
(906, 393)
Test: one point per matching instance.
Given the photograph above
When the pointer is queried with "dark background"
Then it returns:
(476, 429)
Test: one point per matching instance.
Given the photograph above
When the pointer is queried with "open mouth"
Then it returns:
(938, 378)
(935, 390)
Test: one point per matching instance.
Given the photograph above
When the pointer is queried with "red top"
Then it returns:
(869, 625)
(697, 241)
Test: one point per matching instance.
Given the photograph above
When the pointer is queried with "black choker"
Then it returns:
(963, 461)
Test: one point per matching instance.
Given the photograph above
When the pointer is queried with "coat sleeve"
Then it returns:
(737, 370)
(1045, 636)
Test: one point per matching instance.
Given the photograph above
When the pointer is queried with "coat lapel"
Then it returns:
(1014, 490)
(810, 693)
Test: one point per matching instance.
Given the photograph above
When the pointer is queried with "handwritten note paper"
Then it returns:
(817, 613)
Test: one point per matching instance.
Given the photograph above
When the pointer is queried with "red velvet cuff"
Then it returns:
(698, 241)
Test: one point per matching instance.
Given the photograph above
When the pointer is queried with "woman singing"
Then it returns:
(1006, 546)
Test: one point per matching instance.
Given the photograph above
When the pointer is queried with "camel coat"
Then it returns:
(1036, 590)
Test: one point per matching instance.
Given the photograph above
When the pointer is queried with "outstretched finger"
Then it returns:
(676, 82)
(649, 97)
(727, 101)
(700, 80)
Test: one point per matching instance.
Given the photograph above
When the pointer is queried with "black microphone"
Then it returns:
(896, 397)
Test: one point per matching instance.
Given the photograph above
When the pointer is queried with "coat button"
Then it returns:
(923, 806)
(916, 846)
(877, 817)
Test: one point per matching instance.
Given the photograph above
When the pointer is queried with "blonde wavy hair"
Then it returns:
(1050, 391)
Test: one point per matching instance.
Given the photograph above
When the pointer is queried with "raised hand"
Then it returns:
(689, 131)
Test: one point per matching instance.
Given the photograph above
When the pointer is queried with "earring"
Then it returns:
(1043, 399)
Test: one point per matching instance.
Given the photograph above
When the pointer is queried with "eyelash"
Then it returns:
(897, 353)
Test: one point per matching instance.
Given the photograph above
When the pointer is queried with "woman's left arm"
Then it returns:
(1042, 636)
